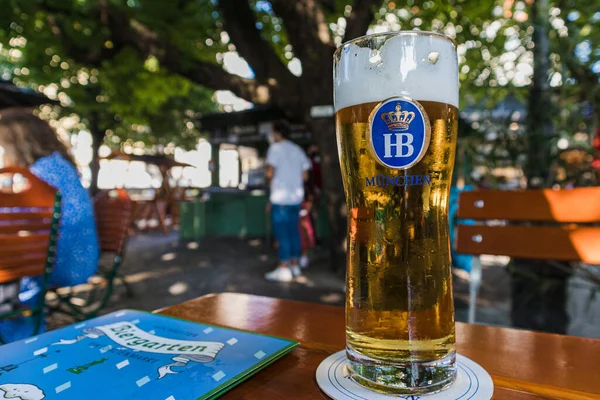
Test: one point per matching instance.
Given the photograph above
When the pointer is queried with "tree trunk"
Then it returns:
(215, 151)
(539, 121)
(538, 288)
(323, 130)
(97, 139)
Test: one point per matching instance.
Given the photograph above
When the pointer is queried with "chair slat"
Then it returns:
(25, 216)
(27, 220)
(116, 205)
(112, 232)
(23, 248)
(533, 242)
(12, 274)
(12, 240)
(116, 224)
(39, 194)
(23, 260)
(579, 205)
(111, 235)
(25, 226)
(112, 247)
(113, 220)
(114, 213)
(116, 221)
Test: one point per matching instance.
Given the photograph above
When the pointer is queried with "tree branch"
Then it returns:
(240, 23)
(586, 78)
(362, 15)
(83, 55)
(214, 77)
(129, 32)
(307, 28)
(583, 73)
(210, 75)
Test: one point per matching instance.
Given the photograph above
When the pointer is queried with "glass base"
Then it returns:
(402, 378)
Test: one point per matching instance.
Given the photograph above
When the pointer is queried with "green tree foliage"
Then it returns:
(555, 146)
(116, 49)
(150, 63)
(63, 49)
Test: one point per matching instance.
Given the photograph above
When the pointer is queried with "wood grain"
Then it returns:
(575, 205)
(524, 365)
(37, 194)
(534, 242)
(25, 223)
(114, 213)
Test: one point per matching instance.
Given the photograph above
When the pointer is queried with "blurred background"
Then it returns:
(174, 102)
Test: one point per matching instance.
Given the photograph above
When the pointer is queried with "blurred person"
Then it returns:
(314, 188)
(287, 169)
(30, 142)
(315, 175)
(307, 232)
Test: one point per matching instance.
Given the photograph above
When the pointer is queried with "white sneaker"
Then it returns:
(280, 274)
(304, 262)
(295, 270)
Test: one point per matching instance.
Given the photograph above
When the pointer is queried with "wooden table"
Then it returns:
(524, 365)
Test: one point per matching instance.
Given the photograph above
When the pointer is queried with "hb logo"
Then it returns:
(403, 145)
(399, 132)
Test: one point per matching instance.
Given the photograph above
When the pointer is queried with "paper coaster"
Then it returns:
(472, 382)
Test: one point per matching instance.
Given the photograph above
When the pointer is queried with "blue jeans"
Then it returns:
(285, 228)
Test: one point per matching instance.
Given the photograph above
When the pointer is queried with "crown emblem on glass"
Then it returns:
(398, 120)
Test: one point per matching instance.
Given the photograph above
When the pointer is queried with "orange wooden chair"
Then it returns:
(543, 224)
(114, 214)
(28, 234)
(114, 217)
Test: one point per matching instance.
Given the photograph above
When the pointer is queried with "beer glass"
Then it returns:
(396, 103)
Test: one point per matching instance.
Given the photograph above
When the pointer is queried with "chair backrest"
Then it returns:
(537, 224)
(28, 224)
(114, 213)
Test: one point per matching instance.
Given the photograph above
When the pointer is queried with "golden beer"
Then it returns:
(399, 305)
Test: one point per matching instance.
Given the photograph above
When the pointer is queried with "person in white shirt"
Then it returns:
(287, 169)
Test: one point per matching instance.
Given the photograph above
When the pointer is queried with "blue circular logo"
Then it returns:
(399, 132)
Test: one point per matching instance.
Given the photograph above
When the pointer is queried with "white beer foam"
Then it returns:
(402, 67)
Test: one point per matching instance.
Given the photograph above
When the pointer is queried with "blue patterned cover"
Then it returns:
(134, 355)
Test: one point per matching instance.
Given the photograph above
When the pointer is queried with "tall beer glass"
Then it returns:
(396, 102)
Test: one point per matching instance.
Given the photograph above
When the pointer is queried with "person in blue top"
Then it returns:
(30, 142)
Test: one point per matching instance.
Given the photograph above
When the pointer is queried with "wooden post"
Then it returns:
(539, 115)
(214, 160)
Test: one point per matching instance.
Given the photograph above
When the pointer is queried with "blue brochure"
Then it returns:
(134, 355)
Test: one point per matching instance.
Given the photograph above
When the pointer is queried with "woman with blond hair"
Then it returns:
(30, 142)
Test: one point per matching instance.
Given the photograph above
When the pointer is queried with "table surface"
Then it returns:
(524, 365)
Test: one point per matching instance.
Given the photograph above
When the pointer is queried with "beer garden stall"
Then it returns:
(238, 210)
